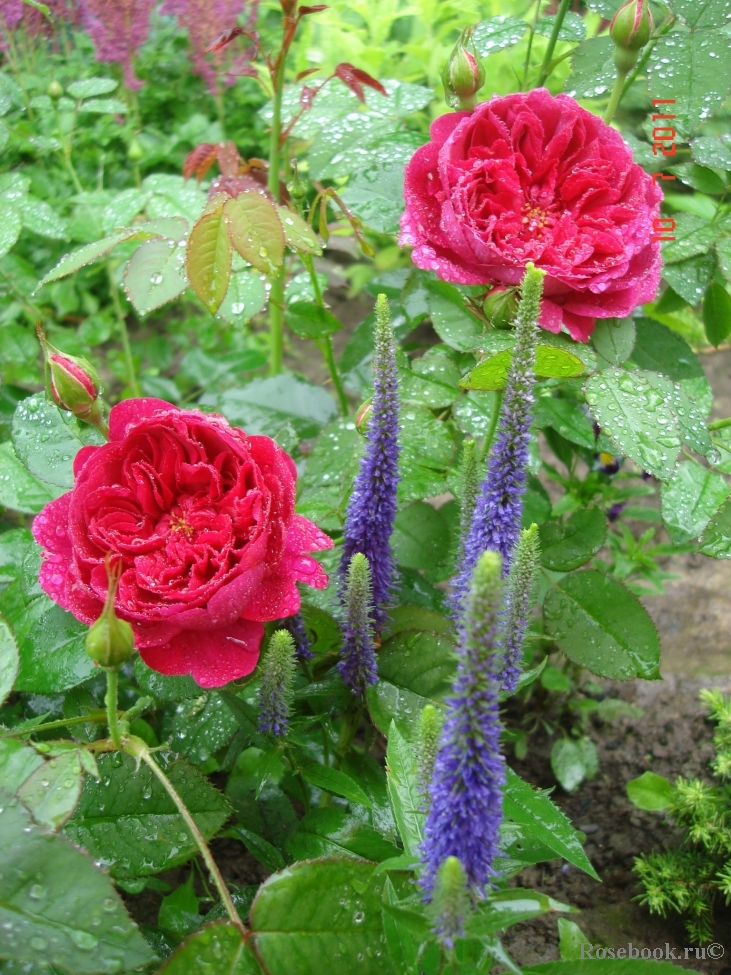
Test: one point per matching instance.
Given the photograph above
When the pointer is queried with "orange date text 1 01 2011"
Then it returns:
(663, 143)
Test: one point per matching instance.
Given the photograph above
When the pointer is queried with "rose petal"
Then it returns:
(211, 658)
(130, 412)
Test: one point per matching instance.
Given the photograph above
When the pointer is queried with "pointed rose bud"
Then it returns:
(72, 383)
(501, 307)
(463, 75)
(110, 641)
(630, 30)
(363, 417)
(55, 89)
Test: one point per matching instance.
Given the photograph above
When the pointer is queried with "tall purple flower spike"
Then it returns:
(496, 519)
(295, 626)
(469, 773)
(372, 506)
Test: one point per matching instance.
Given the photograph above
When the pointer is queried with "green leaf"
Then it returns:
(217, 947)
(41, 218)
(8, 661)
(245, 297)
(699, 178)
(659, 349)
(566, 547)
(498, 33)
(566, 418)
(420, 537)
(164, 688)
(635, 415)
(452, 322)
(298, 233)
(550, 362)
(573, 761)
(717, 313)
(415, 668)
(573, 27)
(128, 820)
(375, 194)
(310, 321)
(91, 87)
(402, 946)
(256, 230)
(179, 910)
(690, 500)
(650, 791)
(598, 623)
(79, 258)
(262, 849)
(47, 439)
(504, 908)
(544, 821)
(692, 68)
(66, 912)
(322, 915)
(690, 419)
(690, 278)
(693, 235)
(52, 791)
(432, 381)
(707, 13)
(716, 540)
(208, 257)
(19, 490)
(17, 763)
(10, 226)
(335, 832)
(264, 406)
(475, 412)
(200, 726)
(332, 780)
(713, 151)
(592, 68)
(104, 106)
(614, 339)
(406, 799)
(155, 274)
(570, 939)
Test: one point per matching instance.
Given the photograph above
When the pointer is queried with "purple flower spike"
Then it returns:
(372, 506)
(295, 626)
(358, 666)
(469, 773)
(496, 519)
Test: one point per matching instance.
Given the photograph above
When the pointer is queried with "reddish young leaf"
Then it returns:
(200, 160)
(208, 258)
(225, 38)
(315, 9)
(228, 157)
(255, 230)
(306, 73)
(354, 78)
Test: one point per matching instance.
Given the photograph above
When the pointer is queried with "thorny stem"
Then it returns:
(557, 25)
(110, 699)
(123, 333)
(276, 298)
(139, 750)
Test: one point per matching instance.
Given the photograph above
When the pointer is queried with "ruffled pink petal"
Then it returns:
(131, 411)
(551, 317)
(213, 657)
(82, 457)
(50, 526)
(578, 327)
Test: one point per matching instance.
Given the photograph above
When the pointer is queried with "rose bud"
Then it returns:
(54, 89)
(630, 30)
(73, 383)
(110, 641)
(501, 306)
(362, 418)
(463, 75)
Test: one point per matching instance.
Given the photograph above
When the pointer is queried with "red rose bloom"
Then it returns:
(533, 177)
(202, 517)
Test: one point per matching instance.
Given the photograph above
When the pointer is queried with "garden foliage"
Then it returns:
(306, 690)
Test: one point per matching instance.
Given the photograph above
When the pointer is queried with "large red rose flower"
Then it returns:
(202, 518)
(533, 177)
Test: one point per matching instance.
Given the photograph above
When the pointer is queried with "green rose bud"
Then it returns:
(362, 418)
(463, 75)
(501, 307)
(110, 641)
(134, 151)
(55, 89)
(630, 30)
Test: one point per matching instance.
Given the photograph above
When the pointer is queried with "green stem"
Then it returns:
(326, 347)
(720, 424)
(617, 93)
(300, 778)
(276, 298)
(110, 699)
(557, 25)
(276, 323)
(351, 720)
(647, 51)
(97, 717)
(490, 435)
(532, 34)
(123, 332)
(139, 750)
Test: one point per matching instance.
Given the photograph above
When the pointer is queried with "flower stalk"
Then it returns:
(552, 40)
